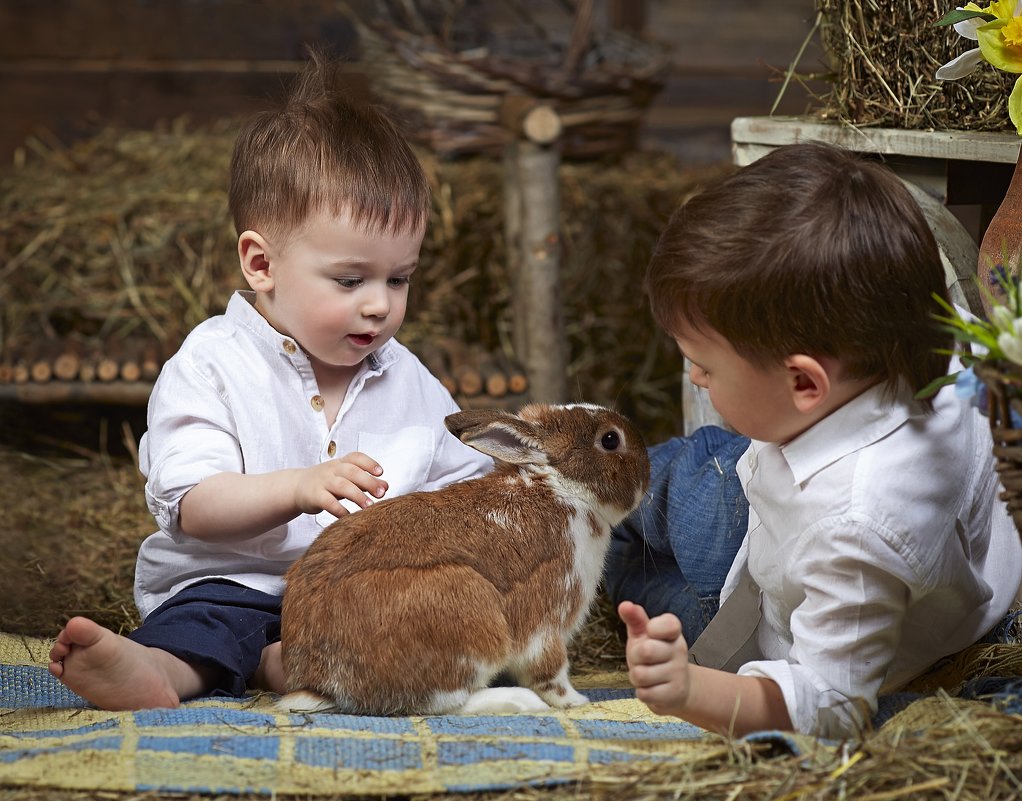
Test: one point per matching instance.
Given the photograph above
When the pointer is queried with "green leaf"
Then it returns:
(1015, 106)
(935, 386)
(960, 15)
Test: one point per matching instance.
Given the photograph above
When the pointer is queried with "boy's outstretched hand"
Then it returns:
(664, 680)
(657, 658)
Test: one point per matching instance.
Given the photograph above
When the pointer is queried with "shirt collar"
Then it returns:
(241, 308)
(865, 419)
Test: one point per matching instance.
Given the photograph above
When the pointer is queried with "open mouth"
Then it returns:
(362, 339)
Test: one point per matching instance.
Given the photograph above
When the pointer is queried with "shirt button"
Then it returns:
(317, 402)
(331, 449)
(289, 346)
(752, 461)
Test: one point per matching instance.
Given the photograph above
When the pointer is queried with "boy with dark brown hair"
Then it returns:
(801, 291)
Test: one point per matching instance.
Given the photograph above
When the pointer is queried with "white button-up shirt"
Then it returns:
(880, 546)
(241, 397)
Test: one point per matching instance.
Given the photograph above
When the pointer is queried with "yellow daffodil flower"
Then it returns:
(1000, 44)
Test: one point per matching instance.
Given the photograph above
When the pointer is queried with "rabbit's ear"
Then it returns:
(499, 434)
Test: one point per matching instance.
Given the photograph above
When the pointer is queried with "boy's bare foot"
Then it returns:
(113, 672)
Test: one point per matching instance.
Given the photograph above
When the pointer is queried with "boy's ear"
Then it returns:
(809, 382)
(253, 253)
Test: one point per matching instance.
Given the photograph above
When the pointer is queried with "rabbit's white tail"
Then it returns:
(305, 701)
(491, 700)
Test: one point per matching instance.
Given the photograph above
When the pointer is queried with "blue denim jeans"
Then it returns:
(673, 553)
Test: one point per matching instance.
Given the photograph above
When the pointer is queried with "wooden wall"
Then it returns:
(67, 66)
(730, 57)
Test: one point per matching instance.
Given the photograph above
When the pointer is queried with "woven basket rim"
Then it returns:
(496, 73)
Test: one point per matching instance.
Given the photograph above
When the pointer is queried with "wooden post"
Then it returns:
(512, 239)
(532, 223)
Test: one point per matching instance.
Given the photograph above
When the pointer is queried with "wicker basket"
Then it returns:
(450, 89)
(1004, 382)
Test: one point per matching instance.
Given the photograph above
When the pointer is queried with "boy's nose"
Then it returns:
(376, 303)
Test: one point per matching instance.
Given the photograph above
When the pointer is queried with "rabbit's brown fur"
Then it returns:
(415, 603)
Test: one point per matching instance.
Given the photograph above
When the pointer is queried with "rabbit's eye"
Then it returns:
(611, 440)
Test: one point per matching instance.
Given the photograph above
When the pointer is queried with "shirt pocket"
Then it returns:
(406, 456)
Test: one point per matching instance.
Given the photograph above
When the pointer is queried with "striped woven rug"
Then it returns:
(51, 737)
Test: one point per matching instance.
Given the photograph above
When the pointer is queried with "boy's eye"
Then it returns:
(348, 283)
(400, 280)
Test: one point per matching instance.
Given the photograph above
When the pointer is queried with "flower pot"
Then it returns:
(1001, 246)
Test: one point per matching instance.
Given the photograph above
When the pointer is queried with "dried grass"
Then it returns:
(124, 234)
(73, 517)
(883, 55)
(944, 750)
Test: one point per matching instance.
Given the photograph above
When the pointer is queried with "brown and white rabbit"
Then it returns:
(415, 604)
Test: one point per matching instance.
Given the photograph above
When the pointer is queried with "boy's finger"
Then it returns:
(647, 677)
(664, 627)
(649, 651)
(365, 462)
(357, 486)
(634, 617)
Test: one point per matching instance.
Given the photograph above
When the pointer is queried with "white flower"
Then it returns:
(1010, 343)
(1002, 317)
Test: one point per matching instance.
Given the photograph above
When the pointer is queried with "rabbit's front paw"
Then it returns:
(503, 699)
(562, 696)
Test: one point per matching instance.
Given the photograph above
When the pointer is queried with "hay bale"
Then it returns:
(883, 55)
(120, 235)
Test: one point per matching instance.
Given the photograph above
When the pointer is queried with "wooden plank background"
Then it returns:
(730, 57)
(67, 66)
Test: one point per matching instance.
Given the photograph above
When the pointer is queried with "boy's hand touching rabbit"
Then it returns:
(354, 477)
(230, 506)
(657, 657)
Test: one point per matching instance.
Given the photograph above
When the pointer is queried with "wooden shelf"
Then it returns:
(751, 137)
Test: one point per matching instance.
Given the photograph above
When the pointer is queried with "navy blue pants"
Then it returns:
(673, 553)
(216, 624)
